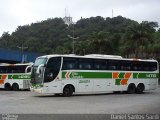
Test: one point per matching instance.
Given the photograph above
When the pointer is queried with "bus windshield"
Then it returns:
(35, 77)
(40, 61)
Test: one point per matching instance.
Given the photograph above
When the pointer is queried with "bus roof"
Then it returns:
(98, 56)
(18, 64)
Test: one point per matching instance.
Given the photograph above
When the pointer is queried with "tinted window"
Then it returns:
(125, 65)
(52, 69)
(85, 64)
(13, 69)
(137, 66)
(149, 66)
(113, 65)
(153, 66)
(100, 64)
(19, 69)
(3, 69)
(144, 66)
(69, 63)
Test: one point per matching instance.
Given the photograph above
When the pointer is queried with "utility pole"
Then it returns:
(22, 51)
(73, 38)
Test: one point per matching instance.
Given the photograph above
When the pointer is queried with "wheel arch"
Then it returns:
(131, 88)
(141, 84)
(7, 84)
(140, 88)
(15, 84)
(132, 84)
(69, 85)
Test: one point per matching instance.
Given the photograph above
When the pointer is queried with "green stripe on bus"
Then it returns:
(19, 76)
(79, 75)
(145, 75)
(135, 75)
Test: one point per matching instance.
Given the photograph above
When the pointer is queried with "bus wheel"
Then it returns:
(140, 88)
(15, 87)
(7, 87)
(68, 91)
(131, 88)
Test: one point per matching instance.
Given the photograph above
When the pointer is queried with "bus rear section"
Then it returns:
(15, 76)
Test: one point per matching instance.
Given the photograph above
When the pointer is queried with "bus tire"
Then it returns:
(68, 91)
(131, 88)
(57, 95)
(116, 92)
(7, 87)
(15, 87)
(140, 88)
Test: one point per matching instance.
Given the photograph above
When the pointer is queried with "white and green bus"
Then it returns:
(15, 76)
(91, 74)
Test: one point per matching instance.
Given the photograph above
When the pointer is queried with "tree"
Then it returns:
(5, 39)
(99, 42)
(137, 37)
(99, 35)
(155, 47)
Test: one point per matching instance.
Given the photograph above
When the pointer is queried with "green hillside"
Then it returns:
(99, 35)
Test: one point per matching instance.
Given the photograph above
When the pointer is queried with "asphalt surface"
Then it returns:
(25, 102)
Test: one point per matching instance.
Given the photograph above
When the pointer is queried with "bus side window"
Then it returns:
(12, 69)
(146, 66)
(16, 69)
(125, 65)
(85, 64)
(100, 64)
(69, 63)
(113, 65)
(3, 69)
(137, 66)
(153, 66)
(19, 69)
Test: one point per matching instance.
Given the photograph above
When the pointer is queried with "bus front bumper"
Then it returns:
(37, 90)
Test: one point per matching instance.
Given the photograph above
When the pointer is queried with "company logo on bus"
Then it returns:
(73, 75)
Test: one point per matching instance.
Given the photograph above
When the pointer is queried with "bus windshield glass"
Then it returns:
(40, 61)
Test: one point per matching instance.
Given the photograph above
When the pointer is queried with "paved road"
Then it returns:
(28, 103)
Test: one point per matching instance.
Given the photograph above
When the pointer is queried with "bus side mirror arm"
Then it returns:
(39, 69)
(26, 70)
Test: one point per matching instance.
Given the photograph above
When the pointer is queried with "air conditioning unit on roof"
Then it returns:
(104, 56)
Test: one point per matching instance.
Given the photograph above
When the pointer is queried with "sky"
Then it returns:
(14, 13)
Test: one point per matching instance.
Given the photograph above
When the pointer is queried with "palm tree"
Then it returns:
(138, 36)
(100, 42)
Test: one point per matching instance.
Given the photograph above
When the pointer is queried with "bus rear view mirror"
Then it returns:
(40, 69)
(28, 69)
